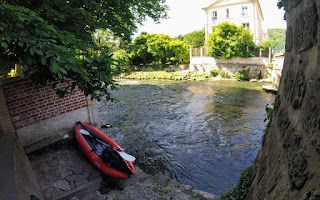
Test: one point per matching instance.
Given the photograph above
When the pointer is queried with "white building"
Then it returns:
(246, 13)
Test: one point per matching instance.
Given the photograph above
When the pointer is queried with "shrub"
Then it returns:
(229, 40)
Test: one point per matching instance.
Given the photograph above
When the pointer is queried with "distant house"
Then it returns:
(246, 13)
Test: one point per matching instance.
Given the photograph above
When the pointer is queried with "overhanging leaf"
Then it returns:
(63, 70)
(4, 45)
(55, 68)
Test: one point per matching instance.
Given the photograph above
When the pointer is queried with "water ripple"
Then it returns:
(199, 133)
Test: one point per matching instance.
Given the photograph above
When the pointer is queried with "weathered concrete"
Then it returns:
(277, 70)
(51, 130)
(17, 180)
(6, 124)
(287, 166)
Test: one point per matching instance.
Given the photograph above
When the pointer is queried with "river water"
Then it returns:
(201, 134)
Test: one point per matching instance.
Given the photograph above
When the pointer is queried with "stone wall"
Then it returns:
(287, 166)
(255, 66)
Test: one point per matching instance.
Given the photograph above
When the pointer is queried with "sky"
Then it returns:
(186, 16)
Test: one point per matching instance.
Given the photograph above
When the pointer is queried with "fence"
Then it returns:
(204, 52)
(198, 52)
(280, 48)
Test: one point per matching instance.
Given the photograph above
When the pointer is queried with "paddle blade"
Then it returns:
(84, 132)
(126, 156)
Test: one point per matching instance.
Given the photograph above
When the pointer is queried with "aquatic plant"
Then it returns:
(240, 191)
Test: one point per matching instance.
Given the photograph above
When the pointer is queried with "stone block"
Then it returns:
(290, 4)
(305, 28)
(310, 117)
(62, 185)
(289, 38)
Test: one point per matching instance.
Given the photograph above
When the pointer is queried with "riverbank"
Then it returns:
(186, 75)
(63, 172)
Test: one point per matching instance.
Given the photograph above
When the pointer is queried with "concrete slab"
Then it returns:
(17, 180)
(270, 89)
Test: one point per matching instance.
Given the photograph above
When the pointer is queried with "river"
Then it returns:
(201, 134)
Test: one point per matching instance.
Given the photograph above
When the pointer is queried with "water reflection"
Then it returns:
(199, 133)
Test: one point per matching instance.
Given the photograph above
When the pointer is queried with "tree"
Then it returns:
(106, 41)
(54, 45)
(195, 39)
(229, 40)
(122, 58)
(180, 51)
(139, 50)
(159, 48)
(82, 18)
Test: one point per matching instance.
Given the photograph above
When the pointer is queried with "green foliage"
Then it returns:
(242, 75)
(239, 192)
(220, 72)
(264, 45)
(276, 36)
(239, 76)
(279, 4)
(122, 57)
(158, 75)
(139, 50)
(230, 41)
(83, 18)
(195, 39)
(179, 52)
(52, 41)
(268, 118)
(158, 48)
(214, 72)
(50, 56)
(179, 37)
(106, 41)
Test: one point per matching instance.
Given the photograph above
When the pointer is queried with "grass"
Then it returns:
(168, 75)
(163, 75)
(249, 87)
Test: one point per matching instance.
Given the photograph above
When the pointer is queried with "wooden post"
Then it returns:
(269, 54)
(190, 55)
(201, 54)
(260, 53)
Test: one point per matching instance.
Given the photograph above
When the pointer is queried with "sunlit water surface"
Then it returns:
(199, 133)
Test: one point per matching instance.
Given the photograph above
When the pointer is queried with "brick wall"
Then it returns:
(29, 105)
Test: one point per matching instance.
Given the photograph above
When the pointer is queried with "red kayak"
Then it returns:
(106, 155)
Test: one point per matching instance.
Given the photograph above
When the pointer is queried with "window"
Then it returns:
(213, 29)
(214, 15)
(227, 13)
(246, 25)
(244, 11)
